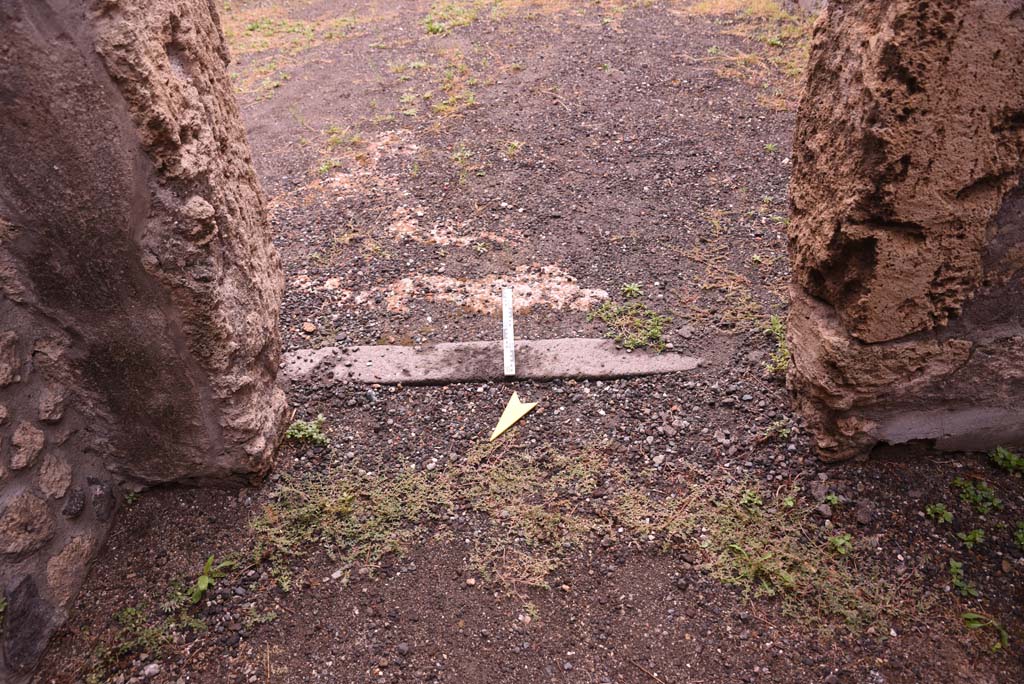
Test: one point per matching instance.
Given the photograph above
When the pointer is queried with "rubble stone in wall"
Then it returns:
(25, 525)
(9, 361)
(62, 568)
(27, 442)
(34, 616)
(54, 476)
(51, 403)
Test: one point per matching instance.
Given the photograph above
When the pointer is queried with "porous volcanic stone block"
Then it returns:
(907, 231)
(139, 289)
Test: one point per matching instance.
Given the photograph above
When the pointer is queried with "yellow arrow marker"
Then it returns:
(511, 415)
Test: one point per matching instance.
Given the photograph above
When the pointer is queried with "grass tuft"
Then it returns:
(632, 325)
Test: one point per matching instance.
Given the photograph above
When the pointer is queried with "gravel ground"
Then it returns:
(416, 157)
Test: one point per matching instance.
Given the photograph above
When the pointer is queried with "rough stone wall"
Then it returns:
(139, 290)
(907, 232)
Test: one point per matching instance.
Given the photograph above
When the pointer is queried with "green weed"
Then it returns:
(210, 574)
(956, 578)
(632, 325)
(840, 544)
(779, 429)
(512, 148)
(328, 165)
(357, 518)
(632, 291)
(938, 513)
(751, 500)
(445, 16)
(780, 358)
(1007, 460)
(978, 495)
(975, 621)
(461, 155)
(972, 538)
(342, 137)
(308, 432)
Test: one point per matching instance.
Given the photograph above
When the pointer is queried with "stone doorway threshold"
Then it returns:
(579, 358)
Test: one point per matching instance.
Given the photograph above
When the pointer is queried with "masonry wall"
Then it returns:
(139, 290)
(907, 232)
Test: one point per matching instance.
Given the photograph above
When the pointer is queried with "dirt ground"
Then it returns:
(416, 156)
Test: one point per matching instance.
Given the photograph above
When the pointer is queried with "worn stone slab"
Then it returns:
(479, 362)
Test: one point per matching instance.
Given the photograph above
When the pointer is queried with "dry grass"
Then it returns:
(272, 43)
(783, 37)
(737, 306)
(535, 510)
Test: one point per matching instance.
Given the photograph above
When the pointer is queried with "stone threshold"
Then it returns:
(576, 358)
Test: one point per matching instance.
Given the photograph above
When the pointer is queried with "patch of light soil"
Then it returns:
(364, 177)
(406, 223)
(531, 286)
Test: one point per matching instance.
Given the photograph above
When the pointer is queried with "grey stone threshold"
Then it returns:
(479, 362)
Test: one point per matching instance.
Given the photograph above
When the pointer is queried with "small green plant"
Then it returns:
(832, 499)
(210, 574)
(779, 362)
(1007, 460)
(956, 578)
(841, 543)
(461, 155)
(512, 148)
(338, 136)
(770, 148)
(130, 498)
(751, 500)
(444, 16)
(632, 291)
(981, 621)
(308, 432)
(978, 495)
(779, 429)
(1018, 535)
(632, 325)
(972, 538)
(938, 513)
(176, 599)
(137, 634)
(327, 166)
(253, 617)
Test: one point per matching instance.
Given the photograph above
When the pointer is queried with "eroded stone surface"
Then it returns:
(907, 232)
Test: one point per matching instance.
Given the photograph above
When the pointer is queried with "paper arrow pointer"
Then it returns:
(511, 415)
